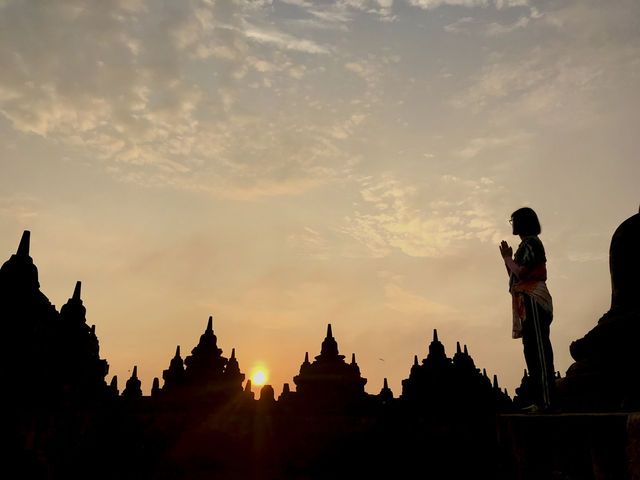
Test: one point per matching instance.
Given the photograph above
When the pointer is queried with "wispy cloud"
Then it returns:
(499, 4)
(479, 144)
(335, 12)
(138, 103)
(470, 25)
(284, 40)
(424, 221)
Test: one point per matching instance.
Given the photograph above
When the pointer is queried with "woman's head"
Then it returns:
(525, 222)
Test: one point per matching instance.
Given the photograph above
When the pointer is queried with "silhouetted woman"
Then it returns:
(531, 300)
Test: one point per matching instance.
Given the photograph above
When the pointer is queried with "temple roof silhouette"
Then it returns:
(329, 372)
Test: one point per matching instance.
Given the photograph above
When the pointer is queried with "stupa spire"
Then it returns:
(210, 324)
(113, 386)
(23, 247)
(436, 349)
(458, 347)
(132, 388)
(174, 375)
(415, 360)
(386, 395)
(353, 359)
(73, 311)
(329, 347)
(155, 388)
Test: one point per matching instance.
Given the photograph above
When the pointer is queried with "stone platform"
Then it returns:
(570, 446)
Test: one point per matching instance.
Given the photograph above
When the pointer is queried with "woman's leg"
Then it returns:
(538, 352)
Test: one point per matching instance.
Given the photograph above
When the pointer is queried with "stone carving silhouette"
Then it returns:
(206, 363)
(233, 377)
(386, 395)
(155, 388)
(80, 368)
(58, 352)
(604, 375)
(451, 385)
(133, 388)
(113, 387)
(329, 380)
(174, 375)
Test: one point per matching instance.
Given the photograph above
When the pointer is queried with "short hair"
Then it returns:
(525, 222)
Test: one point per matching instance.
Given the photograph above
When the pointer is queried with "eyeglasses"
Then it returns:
(511, 221)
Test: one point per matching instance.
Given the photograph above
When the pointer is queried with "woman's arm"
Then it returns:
(506, 252)
(519, 270)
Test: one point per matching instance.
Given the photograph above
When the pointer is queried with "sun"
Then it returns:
(259, 377)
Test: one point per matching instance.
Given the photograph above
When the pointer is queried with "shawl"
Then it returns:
(532, 282)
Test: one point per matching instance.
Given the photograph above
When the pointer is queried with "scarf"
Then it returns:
(535, 286)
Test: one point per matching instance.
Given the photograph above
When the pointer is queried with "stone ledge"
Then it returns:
(570, 446)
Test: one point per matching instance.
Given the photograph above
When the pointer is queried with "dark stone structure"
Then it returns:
(61, 420)
(58, 352)
(133, 388)
(452, 385)
(329, 382)
(607, 365)
(174, 375)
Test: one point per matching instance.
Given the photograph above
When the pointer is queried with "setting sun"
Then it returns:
(259, 377)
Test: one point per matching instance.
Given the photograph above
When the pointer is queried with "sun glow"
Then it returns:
(259, 377)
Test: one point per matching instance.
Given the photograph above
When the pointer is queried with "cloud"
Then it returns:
(588, 54)
(135, 96)
(479, 144)
(546, 86)
(341, 12)
(284, 40)
(499, 4)
(469, 25)
(429, 220)
(494, 29)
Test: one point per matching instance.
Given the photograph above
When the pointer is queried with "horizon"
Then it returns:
(283, 165)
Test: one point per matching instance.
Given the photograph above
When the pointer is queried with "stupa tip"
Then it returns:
(23, 247)
(77, 290)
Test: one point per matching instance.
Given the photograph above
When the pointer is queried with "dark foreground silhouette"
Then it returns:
(60, 419)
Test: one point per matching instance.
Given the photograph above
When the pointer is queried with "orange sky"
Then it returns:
(282, 165)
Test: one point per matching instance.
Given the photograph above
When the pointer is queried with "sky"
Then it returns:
(286, 164)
